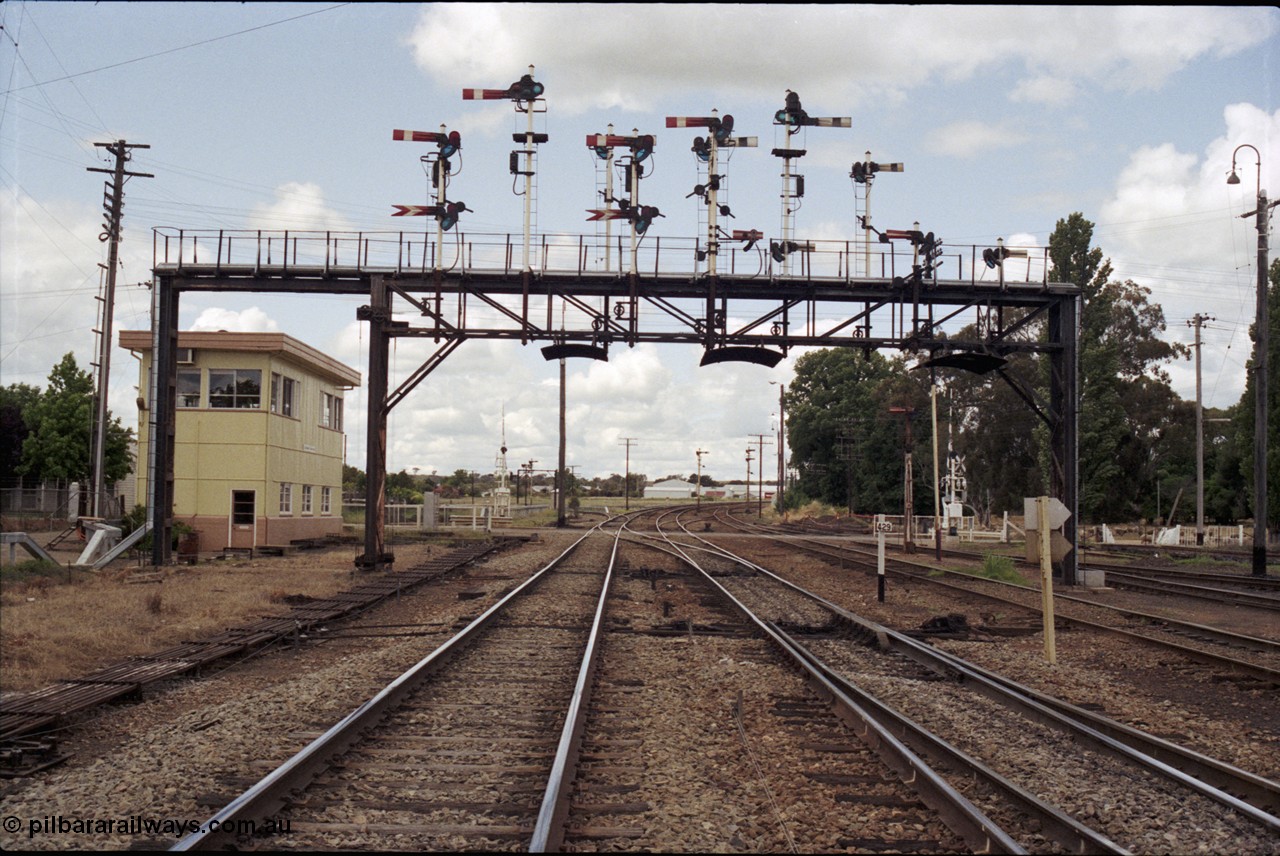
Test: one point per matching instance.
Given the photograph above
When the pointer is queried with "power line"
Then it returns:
(173, 50)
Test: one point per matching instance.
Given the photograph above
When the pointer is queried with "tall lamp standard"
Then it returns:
(1260, 372)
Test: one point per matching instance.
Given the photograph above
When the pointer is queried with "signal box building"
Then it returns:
(259, 442)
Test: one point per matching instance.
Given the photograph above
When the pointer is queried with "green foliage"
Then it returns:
(15, 400)
(60, 423)
(138, 517)
(352, 480)
(997, 567)
(1132, 425)
(30, 570)
(1244, 417)
(845, 442)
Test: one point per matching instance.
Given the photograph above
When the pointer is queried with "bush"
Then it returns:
(1000, 568)
(137, 518)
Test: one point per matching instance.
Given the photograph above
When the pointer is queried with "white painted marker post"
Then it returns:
(880, 565)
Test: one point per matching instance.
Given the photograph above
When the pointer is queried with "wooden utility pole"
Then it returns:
(760, 475)
(908, 500)
(1197, 322)
(626, 485)
(113, 204)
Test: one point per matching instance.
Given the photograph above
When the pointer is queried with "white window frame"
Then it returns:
(326, 500)
(199, 376)
(286, 498)
(306, 499)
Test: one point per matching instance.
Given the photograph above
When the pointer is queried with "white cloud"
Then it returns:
(1052, 91)
(1173, 225)
(972, 138)
(251, 320)
(850, 52)
(298, 205)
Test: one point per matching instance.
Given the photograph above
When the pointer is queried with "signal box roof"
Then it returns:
(269, 343)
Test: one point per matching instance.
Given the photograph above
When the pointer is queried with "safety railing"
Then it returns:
(331, 253)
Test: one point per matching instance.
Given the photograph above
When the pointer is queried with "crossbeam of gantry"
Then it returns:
(724, 314)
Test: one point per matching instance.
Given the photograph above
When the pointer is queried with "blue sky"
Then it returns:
(279, 116)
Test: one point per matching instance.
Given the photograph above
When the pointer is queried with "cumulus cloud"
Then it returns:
(297, 205)
(251, 320)
(972, 138)
(850, 52)
(1173, 224)
(1052, 91)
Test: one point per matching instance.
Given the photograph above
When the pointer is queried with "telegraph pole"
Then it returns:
(113, 204)
(908, 501)
(760, 441)
(626, 485)
(1197, 322)
(700, 453)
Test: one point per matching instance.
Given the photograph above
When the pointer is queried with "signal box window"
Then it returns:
(331, 411)
(283, 394)
(188, 389)
(240, 389)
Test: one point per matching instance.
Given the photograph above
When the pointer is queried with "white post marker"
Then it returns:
(1046, 580)
(880, 566)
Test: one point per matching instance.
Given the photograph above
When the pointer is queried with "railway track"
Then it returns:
(1028, 739)
(453, 754)
(539, 727)
(512, 747)
(1252, 658)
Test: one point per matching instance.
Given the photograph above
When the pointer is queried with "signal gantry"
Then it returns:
(526, 94)
(793, 118)
(438, 166)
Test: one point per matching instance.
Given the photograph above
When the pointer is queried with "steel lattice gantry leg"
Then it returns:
(1064, 416)
(162, 425)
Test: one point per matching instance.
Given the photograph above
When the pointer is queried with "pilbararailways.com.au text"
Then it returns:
(140, 825)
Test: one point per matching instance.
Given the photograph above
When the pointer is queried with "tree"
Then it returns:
(1243, 420)
(61, 422)
(14, 401)
(1124, 388)
(845, 444)
(353, 481)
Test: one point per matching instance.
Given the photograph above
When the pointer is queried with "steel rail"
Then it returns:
(1253, 643)
(270, 794)
(960, 815)
(1032, 704)
(549, 828)
(1165, 585)
(1056, 824)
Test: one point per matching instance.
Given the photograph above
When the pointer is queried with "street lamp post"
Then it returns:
(1260, 372)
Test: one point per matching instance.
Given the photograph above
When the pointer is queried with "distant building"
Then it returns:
(259, 442)
(670, 489)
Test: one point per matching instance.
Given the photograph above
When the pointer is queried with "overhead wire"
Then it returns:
(168, 51)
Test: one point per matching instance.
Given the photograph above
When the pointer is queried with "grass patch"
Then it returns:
(1206, 561)
(51, 629)
(33, 569)
(1001, 568)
